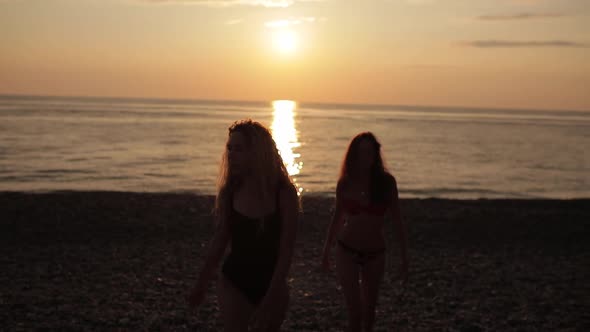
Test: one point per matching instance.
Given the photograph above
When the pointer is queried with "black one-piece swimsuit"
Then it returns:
(254, 251)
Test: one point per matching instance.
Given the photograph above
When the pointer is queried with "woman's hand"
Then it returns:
(196, 297)
(264, 313)
(326, 265)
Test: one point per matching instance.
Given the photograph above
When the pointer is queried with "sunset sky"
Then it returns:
(481, 53)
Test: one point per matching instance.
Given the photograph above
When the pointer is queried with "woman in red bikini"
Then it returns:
(256, 208)
(365, 192)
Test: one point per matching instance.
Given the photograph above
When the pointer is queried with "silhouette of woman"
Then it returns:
(256, 209)
(365, 192)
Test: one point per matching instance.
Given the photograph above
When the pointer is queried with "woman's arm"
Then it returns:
(335, 225)
(215, 252)
(289, 207)
(401, 229)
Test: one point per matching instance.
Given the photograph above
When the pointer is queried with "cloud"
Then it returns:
(519, 16)
(229, 3)
(522, 44)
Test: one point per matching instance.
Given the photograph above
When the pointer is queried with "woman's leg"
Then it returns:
(347, 271)
(281, 313)
(234, 306)
(371, 275)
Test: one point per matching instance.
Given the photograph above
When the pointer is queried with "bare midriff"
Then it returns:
(363, 232)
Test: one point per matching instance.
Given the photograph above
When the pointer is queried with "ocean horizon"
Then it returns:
(52, 143)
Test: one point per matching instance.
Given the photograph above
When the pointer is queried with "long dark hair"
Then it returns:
(381, 181)
(269, 171)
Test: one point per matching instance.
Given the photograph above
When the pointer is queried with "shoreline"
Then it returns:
(314, 195)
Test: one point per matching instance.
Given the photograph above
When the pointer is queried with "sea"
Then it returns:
(157, 145)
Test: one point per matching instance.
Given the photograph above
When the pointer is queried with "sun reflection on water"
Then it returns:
(285, 136)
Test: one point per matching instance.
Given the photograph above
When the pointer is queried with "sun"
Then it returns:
(284, 41)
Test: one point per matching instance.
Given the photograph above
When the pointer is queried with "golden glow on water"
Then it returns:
(285, 135)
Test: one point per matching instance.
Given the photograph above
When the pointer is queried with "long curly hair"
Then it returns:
(381, 181)
(267, 167)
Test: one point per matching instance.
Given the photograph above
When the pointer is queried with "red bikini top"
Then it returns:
(353, 207)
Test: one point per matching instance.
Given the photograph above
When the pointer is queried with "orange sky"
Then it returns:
(501, 53)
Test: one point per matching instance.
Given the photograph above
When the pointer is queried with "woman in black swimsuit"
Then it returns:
(256, 208)
(365, 192)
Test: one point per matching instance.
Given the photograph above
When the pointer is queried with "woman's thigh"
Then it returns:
(347, 271)
(235, 308)
(372, 276)
(280, 310)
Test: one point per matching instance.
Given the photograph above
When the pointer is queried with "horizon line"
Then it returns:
(329, 105)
